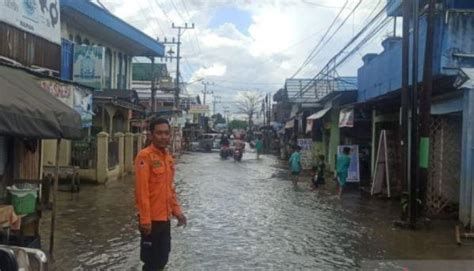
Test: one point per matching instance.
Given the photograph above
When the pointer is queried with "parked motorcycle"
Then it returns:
(22, 258)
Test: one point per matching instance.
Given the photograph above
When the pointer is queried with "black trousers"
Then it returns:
(155, 248)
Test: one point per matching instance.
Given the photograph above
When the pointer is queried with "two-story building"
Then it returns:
(451, 160)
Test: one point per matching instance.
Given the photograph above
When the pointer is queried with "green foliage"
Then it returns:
(238, 124)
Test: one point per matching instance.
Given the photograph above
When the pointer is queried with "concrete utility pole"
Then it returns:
(181, 30)
(205, 91)
(153, 86)
(214, 102)
(405, 102)
(425, 102)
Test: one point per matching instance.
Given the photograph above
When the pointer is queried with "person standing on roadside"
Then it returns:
(155, 197)
(259, 147)
(295, 165)
(342, 169)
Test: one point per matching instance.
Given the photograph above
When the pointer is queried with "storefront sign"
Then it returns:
(83, 105)
(63, 92)
(346, 117)
(73, 96)
(354, 173)
(38, 17)
(199, 109)
(89, 66)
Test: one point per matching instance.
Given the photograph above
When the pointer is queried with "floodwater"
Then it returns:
(243, 216)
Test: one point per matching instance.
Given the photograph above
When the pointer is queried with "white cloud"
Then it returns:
(282, 34)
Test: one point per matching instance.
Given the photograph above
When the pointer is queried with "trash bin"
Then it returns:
(24, 198)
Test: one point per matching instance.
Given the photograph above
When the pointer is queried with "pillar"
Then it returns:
(129, 153)
(102, 157)
(138, 138)
(111, 110)
(466, 201)
(121, 152)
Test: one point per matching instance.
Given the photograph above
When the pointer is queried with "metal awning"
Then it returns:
(319, 114)
(26, 110)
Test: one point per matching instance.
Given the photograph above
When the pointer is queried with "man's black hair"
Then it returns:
(157, 121)
(346, 150)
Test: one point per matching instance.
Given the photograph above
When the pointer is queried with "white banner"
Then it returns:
(39, 17)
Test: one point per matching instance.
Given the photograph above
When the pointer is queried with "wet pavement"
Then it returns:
(243, 216)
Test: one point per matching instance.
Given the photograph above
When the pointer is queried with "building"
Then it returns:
(450, 186)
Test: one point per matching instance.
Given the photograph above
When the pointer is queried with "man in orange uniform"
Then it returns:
(156, 197)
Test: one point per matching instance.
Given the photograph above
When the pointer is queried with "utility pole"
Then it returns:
(425, 102)
(405, 102)
(205, 91)
(153, 86)
(414, 154)
(214, 102)
(181, 30)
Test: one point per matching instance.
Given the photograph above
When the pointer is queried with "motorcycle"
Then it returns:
(238, 153)
(225, 152)
(22, 258)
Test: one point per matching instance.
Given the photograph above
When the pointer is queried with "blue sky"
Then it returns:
(242, 19)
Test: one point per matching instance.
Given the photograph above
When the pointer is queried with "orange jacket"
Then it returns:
(154, 189)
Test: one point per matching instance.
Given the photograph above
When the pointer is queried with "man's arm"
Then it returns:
(142, 191)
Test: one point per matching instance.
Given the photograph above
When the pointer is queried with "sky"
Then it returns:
(251, 45)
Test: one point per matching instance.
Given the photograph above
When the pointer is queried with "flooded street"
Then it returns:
(242, 216)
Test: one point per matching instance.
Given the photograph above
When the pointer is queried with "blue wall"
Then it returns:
(383, 73)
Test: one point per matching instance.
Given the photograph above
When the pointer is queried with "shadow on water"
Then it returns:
(242, 216)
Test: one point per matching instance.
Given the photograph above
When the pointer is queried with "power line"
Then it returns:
(333, 61)
(306, 61)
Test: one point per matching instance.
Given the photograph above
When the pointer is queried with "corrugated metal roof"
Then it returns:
(312, 91)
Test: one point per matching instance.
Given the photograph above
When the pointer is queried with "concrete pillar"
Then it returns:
(127, 119)
(466, 201)
(121, 152)
(49, 152)
(129, 153)
(334, 139)
(138, 138)
(111, 110)
(102, 157)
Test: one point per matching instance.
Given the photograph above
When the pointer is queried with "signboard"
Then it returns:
(89, 65)
(381, 171)
(38, 17)
(199, 109)
(75, 97)
(306, 145)
(63, 92)
(354, 173)
(83, 105)
(346, 117)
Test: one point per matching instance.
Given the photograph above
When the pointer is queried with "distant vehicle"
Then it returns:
(207, 141)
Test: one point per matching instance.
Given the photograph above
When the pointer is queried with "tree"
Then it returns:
(248, 103)
(218, 118)
(238, 125)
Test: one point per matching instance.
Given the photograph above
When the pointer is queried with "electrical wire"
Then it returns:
(356, 37)
(307, 60)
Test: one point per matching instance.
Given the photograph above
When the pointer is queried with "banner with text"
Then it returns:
(38, 17)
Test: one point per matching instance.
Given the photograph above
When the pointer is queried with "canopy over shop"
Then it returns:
(30, 112)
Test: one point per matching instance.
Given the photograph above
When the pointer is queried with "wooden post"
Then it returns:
(53, 214)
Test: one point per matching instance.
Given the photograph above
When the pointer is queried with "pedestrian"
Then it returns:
(259, 147)
(155, 197)
(319, 170)
(342, 169)
(295, 165)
